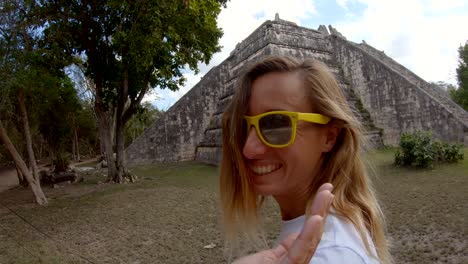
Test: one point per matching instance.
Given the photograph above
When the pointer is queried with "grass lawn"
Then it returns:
(172, 213)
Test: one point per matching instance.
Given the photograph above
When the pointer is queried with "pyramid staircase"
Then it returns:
(209, 149)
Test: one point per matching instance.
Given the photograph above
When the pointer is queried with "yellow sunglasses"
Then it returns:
(277, 129)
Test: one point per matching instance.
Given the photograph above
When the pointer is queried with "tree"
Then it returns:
(460, 95)
(85, 119)
(142, 119)
(444, 86)
(59, 113)
(16, 52)
(131, 47)
(33, 183)
(87, 137)
(32, 76)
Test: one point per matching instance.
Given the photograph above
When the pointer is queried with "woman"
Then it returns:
(287, 131)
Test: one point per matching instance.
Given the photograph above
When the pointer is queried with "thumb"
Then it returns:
(282, 249)
(304, 246)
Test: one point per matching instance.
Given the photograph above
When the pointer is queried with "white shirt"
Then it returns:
(340, 243)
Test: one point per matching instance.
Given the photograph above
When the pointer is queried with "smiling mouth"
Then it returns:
(265, 169)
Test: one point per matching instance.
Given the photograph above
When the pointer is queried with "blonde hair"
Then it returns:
(342, 166)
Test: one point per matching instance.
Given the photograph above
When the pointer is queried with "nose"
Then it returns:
(253, 146)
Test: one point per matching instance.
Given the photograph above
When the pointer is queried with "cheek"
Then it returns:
(300, 167)
(312, 138)
(308, 150)
(300, 156)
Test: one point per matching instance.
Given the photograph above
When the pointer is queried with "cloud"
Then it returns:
(400, 45)
(343, 3)
(242, 17)
(418, 34)
(422, 35)
(151, 96)
(165, 98)
(444, 5)
(238, 21)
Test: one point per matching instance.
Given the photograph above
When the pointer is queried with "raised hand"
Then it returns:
(298, 248)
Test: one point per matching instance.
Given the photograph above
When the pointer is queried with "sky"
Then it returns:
(422, 35)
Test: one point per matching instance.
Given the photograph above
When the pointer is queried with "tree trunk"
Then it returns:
(120, 129)
(33, 183)
(102, 148)
(105, 127)
(105, 119)
(77, 146)
(27, 135)
(120, 142)
(41, 148)
(51, 152)
(73, 138)
(22, 181)
(73, 149)
(122, 117)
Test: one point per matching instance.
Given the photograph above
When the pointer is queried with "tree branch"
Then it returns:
(134, 104)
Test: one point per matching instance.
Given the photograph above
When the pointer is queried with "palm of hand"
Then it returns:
(298, 248)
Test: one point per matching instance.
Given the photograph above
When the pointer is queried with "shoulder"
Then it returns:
(341, 243)
(340, 254)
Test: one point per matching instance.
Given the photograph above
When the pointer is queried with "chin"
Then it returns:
(265, 190)
(269, 184)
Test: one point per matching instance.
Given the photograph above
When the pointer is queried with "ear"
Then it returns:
(331, 132)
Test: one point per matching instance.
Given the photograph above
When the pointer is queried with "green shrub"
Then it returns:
(453, 152)
(420, 150)
(61, 162)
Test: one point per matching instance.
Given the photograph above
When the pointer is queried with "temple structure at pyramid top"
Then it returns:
(388, 98)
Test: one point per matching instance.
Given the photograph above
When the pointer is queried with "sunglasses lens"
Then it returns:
(276, 128)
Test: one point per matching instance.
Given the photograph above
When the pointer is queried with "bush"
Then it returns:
(61, 162)
(420, 150)
(452, 152)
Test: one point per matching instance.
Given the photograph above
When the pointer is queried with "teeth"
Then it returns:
(265, 169)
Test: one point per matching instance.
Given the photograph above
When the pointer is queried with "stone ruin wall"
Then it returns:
(433, 90)
(398, 100)
(174, 136)
(394, 98)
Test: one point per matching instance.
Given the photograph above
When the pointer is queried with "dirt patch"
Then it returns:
(8, 178)
(157, 220)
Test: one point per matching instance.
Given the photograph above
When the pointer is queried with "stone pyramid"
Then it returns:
(388, 98)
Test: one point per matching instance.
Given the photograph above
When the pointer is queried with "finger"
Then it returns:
(261, 257)
(288, 241)
(322, 203)
(279, 251)
(307, 242)
(303, 248)
(325, 186)
(285, 245)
